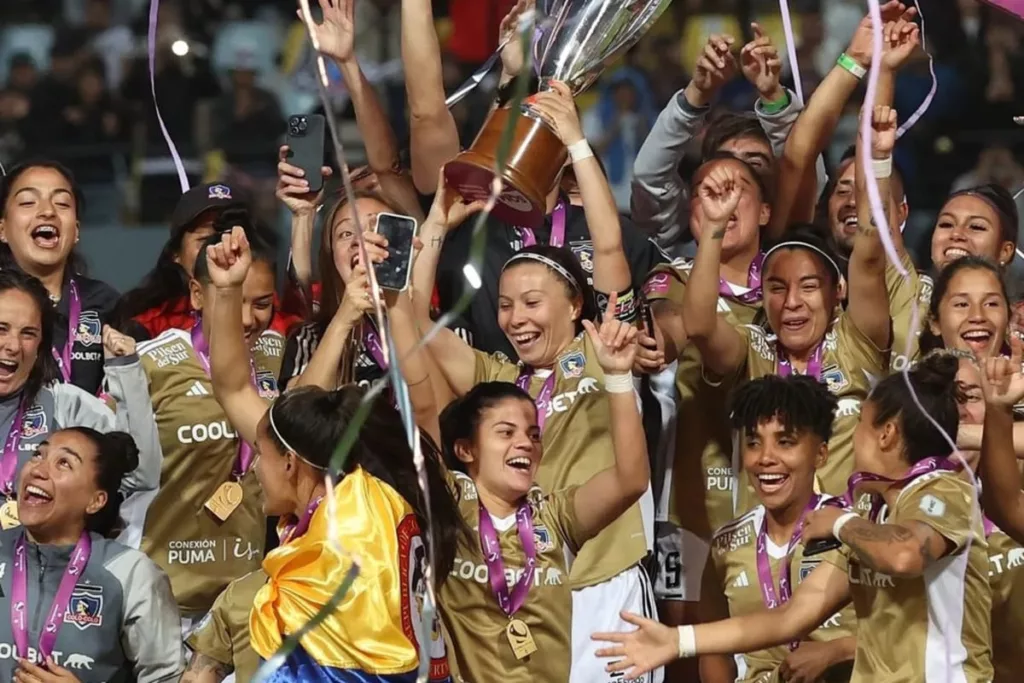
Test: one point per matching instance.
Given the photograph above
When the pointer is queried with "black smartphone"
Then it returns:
(305, 142)
(822, 545)
(399, 231)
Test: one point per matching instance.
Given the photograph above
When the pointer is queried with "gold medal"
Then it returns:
(225, 499)
(9, 515)
(520, 638)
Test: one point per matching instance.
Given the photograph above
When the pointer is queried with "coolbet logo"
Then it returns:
(469, 571)
(869, 577)
(1003, 562)
(170, 354)
(562, 402)
(73, 660)
(189, 434)
(412, 564)
(86, 607)
(89, 330)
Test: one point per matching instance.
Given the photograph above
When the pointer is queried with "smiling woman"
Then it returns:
(92, 609)
(38, 231)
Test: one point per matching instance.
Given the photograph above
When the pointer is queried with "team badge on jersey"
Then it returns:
(89, 330)
(266, 384)
(657, 284)
(34, 423)
(86, 607)
(219, 192)
(542, 539)
(572, 364)
(932, 506)
(834, 379)
(806, 567)
(584, 251)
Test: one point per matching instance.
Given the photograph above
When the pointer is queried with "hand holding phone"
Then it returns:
(399, 231)
(305, 140)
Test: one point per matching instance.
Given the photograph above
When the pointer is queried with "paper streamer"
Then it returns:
(909, 123)
(878, 214)
(787, 27)
(154, 11)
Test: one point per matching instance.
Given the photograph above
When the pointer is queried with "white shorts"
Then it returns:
(681, 556)
(596, 608)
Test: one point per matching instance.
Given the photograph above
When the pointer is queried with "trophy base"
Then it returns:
(535, 159)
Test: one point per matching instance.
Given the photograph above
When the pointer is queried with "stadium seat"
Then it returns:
(32, 39)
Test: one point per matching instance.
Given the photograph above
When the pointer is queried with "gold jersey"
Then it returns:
(223, 634)
(934, 627)
(1006, 575)
(731, 588)
(850, 365)
(701, 490)
(577, 445)
(906, 294)
(200, 554)
(473, 620)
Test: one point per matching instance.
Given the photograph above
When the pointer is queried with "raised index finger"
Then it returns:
(609, 311)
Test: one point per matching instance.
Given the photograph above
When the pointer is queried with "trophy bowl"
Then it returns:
(573, 41)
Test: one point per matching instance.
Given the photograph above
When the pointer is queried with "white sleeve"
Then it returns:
(151, 627)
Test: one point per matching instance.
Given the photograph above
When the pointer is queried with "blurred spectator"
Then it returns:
(248, 127)
(669, 76)
(618, 124)
(55, 91)
(14, 109)
(475, 29)
(22, 74)
(114, 44)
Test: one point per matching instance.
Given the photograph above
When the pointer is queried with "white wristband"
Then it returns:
(687, 642)
(618, 384)
(882, 168)
(841, 522)
(578, 151)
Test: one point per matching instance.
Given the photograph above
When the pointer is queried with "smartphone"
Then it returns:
(399, 231)
(305, 142)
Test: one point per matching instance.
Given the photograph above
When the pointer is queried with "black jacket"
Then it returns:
(98, 301)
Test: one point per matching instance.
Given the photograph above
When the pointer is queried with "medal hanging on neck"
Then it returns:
(543, 398)
(764, 565)
(228, 496)
(55, 616)
(517, 631)
(785, 366)
(74, 315)
(753, 294)
(9, 469)
(372, 345)
(557, 238)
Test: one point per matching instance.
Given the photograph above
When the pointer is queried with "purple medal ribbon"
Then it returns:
(753, 295)
(785, 368)
(989, 527)
(557, 228)
(543, 398)
(55, 617)
(293, 531)
(764, 566)
(245, 454)
(920, 468)
(372, 345)
(9, 464)
(74, 314)
(509, 603)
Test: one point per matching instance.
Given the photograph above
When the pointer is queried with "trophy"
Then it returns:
(573, 42)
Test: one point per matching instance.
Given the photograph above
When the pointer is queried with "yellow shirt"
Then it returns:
(934, 627)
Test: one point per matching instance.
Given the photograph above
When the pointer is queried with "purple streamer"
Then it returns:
(787, 26)
(909, 123)
(154, 11)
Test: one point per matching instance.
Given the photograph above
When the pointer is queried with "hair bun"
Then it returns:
(123, 446)
(936, 372)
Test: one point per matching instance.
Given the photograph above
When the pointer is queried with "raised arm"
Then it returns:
(293, 191)
(609, 493)
(721, 345)
(454, 357)
(229, 263)
(1001, 494)
(868, 296)
(434, 135)
(611, 269)
(659, 193)
(325, 365)
(825, 591)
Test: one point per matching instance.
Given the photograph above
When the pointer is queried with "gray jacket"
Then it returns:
(660, 200)
(121, 625)
(64, 405)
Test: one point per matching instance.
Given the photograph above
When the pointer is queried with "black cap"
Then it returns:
(204, 198)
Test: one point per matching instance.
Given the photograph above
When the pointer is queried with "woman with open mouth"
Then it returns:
(40, 202)
(204, 523)
(813, 336)
(543, 299)
(915, 567)
(519, 620)
(82, 607)
(33, 405)
(784, 425)
(376, 513)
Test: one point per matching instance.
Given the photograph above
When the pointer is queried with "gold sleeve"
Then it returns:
(943, 503)
(558, 510)
(213, 636)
